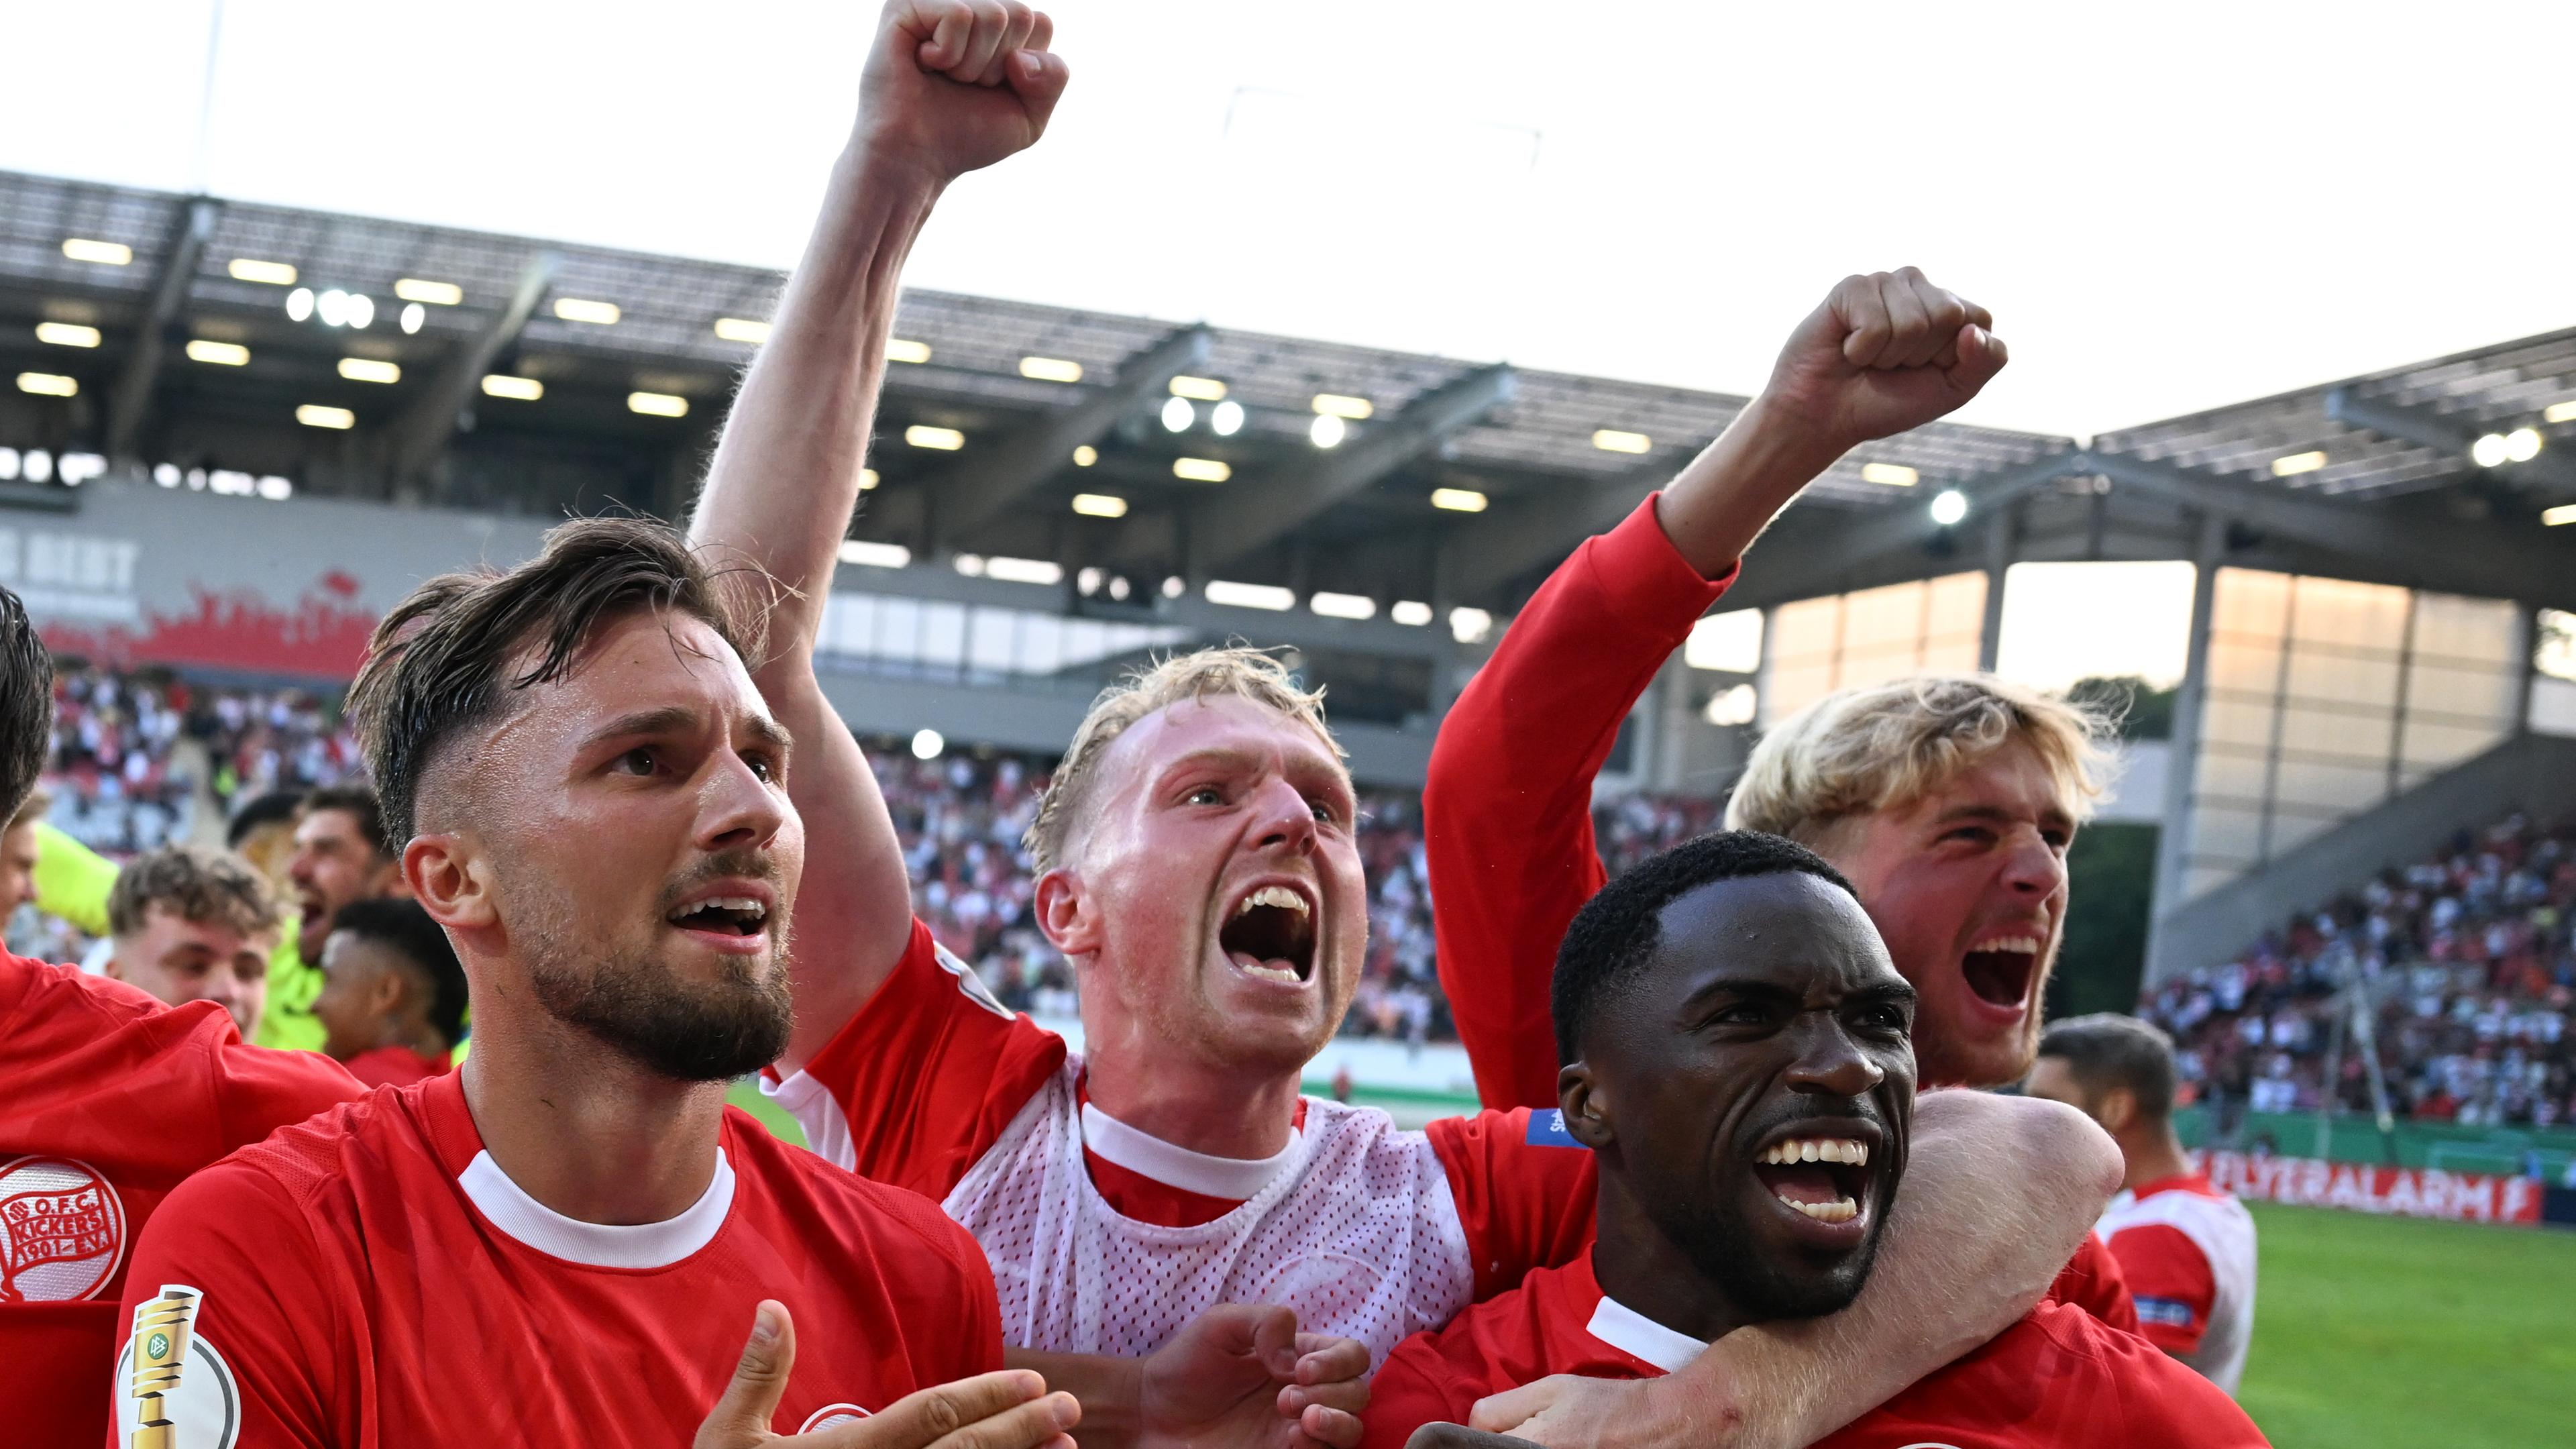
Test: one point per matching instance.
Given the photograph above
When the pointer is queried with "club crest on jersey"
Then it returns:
(831, 1415)
(173, 1390)
(62, 1230)
(1547, 1128)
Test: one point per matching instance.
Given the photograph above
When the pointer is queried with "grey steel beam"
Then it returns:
(132, 399)
(421, 432)
(1263, 512)
(1484, 553)
(2426, 428)
(979, 491)
(1817, 550)
(2499, 561)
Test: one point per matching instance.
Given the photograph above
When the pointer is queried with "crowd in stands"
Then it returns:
(2467, 962)
(131, 750)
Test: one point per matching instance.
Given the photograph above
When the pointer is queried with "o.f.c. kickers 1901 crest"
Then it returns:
(62, 1230)
(173, 1389)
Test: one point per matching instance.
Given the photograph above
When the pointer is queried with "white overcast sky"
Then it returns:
(2168, 207)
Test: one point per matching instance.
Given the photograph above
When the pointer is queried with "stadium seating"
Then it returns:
(2466, 956)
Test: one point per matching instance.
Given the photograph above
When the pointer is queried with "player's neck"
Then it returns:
(1644, 1270)
(1206, 1107)
(585, 1131)
(2153, 1156)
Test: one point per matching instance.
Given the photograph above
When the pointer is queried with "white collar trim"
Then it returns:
(508, 1207)
(1636, 1335)
(1235, 1179)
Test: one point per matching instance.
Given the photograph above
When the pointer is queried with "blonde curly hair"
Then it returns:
(1884, 746)
(1234, 669)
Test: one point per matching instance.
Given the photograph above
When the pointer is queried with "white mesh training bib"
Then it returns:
(1360, 1236)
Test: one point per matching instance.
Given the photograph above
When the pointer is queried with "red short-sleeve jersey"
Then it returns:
(2056, 1378)
(373, 1278)
(108, 1101)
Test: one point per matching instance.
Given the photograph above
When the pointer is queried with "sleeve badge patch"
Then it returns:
(173, 1390)
(62, 1230)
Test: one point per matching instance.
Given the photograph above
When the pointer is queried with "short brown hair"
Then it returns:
(436, 666)
(1882, 746)
(2109, 1050)
(193, 884)
(1234, 669)
(359, 802)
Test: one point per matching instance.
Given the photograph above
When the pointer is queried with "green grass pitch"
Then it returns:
(2372, 1331)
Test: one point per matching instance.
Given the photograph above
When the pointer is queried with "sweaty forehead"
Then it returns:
(1787, 929)
(1222, 731)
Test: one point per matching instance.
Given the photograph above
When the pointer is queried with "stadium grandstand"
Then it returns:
(235, 432)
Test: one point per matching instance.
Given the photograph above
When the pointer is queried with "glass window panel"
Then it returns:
(2290, 831)
(2250, 601)
(2317, 787)
(2244, 662)
(2460, 695)
(1086, 641)
(2232, 775)
(990, 637)
(2234, 719)
(1952, 655)
(2222, 833)
(2441, 745)
(898, 628)
(1805, 629)
(943, 634)
(1957, 605)
(1874, 618)
(848, 624)
(2365, 738)
(1041, 644)
(2343, 675)
(1792, 687)
(2202, 879)
(2462, 630)
(2338, 611)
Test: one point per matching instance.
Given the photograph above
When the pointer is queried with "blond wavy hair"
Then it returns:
(1884, 746)
(1235, 669)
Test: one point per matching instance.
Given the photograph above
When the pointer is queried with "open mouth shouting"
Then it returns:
(731, 917)
(1821, 1175)
(1270, 935)
(2000, 968)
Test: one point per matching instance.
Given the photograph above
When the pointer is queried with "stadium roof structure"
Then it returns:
(541, 377)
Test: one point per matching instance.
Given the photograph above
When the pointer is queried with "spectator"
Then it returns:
(340, 855)
(193, 925)
(392, 1005)
(263, 833)
(2466, 960)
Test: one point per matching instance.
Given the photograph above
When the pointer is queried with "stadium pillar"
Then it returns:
(2182, 761)
(127, 405)
(2003, 537)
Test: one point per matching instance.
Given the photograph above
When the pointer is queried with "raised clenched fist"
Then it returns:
(954, 85)
(1882, 353)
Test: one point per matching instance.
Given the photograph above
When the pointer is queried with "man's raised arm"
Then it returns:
(949, 86)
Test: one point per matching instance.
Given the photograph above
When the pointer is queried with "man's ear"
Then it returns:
(1067, 914)
(1585, 1100)
(385, 994)
(441, 872)
(2118, 1108)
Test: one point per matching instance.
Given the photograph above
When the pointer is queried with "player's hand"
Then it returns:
(1883, 353)
(953, 85)
(1241, 1376)
(1568, 1412)
(1007, 1410)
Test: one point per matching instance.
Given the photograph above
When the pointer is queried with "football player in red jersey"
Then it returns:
(1201, 875)
(594, 802)
(2185, 1246)
(1950, 807)
(108, 1100)
(1737, 1056)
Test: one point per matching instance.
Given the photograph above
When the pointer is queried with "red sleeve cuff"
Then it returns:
(1645, 578)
